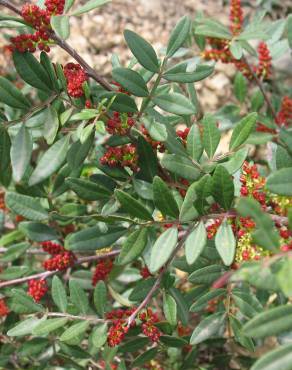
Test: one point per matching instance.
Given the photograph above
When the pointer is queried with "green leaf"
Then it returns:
(240, 87)
(211, 135)
(178, 35)
(222, 187)
(37, 231)
(207, 328)
(5, 145)
(236, 49)
(280, 182)
(271, 322)
(225, 243)
(212, 28)
(204, 299)
(170, 309)
(88, 190)
(31, 71)
(242, 130)
(156, 130)
(78, 152)
(131, 81)
(236, 161)
(162, 249)
(239, 337)
(278, 359)
(194, 143)
(206, 275)
(11, 96)
(164, 199)
(25, 301)
(284, 277)
(147, 160)
(24, 327)
(195, 243)
(78, 297)
(51, 161)
(21, 150)
(93, 238)
(187, 211)
(74, 331)
(14, 252)
(175, 103)
(100, 297)
(142, 50)
(283, 158)
(182, 305)
(265, 234)
(145, 357)
(25, 206)
(289, 30)
(99, 335)
(60, 24)
(59, 294)
(180, 74)
(122, 103)
(51, 125)
(90, 5)
(133, 206)
(181, 166)
(133, 246)
(47, 326)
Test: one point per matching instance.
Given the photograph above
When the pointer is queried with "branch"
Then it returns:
(158, 280)
(260, 86)
(45, 274)
(93, 319)
(65, 46)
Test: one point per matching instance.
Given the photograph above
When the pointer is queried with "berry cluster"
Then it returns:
(61, 259)
(284, 116)
(156, 145)
(2, 201)
(183, 134)
(236, 17)
(149, 329)
(264, 68)
(252, 183)
(145, 273)
(37, 289)
(39, 19)
(119, 328)
(120, 124)
(122, 156)
(102, 270)
(75, 77)
(4, 310)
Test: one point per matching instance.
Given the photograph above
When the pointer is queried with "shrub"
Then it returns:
(129, 239)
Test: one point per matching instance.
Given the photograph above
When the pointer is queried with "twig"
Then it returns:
(260, 86)
(10, 6)
(158, 280)
(45, 274)
(93, 319)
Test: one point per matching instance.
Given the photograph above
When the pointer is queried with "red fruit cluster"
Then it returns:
(4, 310)
(75, 77)
(156, 145)
(264, 68)
(39, 19)
(120, 124)
(122, 156)
(102, 269)
(37, 289)
(212, 228)
(145, 273)
(236, 17)
(183, 134)
(148, 319)
(284, 116)
(61, 259)
(2, 200)
(252, 183)
(119, 328)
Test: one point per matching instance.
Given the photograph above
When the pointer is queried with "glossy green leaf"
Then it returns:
(206, 275)
(100, 297)
(26, 206)
(278, 359)
(142, 50)
(88, 190)
(195, 243)
(164, 199)
(284, 277)
(212, 28)
(145, 357)
(162, 249)
(51, 125)
(130, 80)
(238, 335)
(11, 96)
(47, 326)
(59, 294)
(211, 135)
(99, 335)
(14, 252)
(203, 300)
(178, 35)
(181, 166)
(280, 182)
(225, 243)
(207, 328)
(175, 103)
(74, 331)
(51, 161)
(25, 301)
(37, 231)
(133, 206)
(5, 145)
(194, 143)
(133, 246)
(78, 297)
(242, 130)
(222, 187)
(24, 327)
(90, 5)
(271, 322)
(180, 74)
(21, 151)
(147, 160)
(60, 24)
(240, 87)
(170, 309)
(31, 71)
